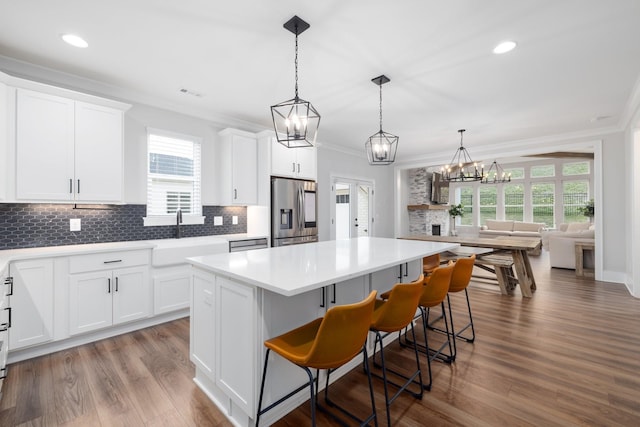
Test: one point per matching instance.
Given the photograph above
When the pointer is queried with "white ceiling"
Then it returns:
(575, 60)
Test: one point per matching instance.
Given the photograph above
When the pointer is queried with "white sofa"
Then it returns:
(493, 228)
(561, 244)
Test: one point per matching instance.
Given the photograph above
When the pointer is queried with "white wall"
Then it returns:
(137, 119)
(338, 163)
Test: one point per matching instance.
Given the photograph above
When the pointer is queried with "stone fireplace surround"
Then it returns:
(421, 221)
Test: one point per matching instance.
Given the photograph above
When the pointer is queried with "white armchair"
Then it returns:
(561, 244)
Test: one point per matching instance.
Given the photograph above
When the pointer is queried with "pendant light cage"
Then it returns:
(495, 175)
(295, 120)
(381, 147)
(461, 168)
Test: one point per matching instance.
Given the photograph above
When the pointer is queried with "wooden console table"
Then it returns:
(581, 248)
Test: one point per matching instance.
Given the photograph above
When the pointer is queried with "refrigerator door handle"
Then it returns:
(300, 209)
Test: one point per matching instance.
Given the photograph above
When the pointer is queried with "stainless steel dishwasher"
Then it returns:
(247, 244)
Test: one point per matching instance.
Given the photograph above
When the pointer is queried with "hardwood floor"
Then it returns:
(568, 356)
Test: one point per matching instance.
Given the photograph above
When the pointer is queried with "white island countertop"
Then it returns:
(292, 270)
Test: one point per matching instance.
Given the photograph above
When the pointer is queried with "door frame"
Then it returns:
(333, 179)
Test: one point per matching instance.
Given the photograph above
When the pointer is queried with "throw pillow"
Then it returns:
(578, 226)
(499, 225)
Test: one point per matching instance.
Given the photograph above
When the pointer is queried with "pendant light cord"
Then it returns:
(296, 63)
(380, 107)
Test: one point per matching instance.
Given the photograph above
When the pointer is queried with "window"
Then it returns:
(543, 171)
(516, 173)
(466, 199)
(488, 202)
(542, 201)
(576, 168)
(575, 194)
(173, 175)
(514, 202)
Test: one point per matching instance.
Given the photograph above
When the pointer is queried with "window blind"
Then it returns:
(173, 174)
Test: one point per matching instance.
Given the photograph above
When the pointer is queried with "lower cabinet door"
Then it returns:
(202, 321)
(90, 301)
(31, 303)
(131, 294)
(171, 289)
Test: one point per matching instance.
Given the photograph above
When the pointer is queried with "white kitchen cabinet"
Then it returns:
(67, 150)
(297, 162)
(171, 288)
(237, 168)
(235, 334)
(101, 296)
(31, 303)
(202, 340)
(4, 140)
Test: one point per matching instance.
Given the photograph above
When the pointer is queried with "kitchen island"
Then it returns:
(241, 299)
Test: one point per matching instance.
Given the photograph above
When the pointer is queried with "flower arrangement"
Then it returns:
(456, 210)
(588, 209)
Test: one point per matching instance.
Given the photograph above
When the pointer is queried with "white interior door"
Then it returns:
(352, 208)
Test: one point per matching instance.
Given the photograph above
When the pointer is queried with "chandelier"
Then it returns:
(295, 121)
(461, 168)
(381, 147)
(495, 175)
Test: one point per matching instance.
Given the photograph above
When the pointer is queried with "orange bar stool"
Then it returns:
(325, 343)
(430, 263)
(434, 291)
(460, 279)
(393, 315)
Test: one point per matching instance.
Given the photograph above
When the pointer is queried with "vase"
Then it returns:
(453, 230)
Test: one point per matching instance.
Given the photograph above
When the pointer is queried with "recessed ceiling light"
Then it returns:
(74, 40)
(504, 47)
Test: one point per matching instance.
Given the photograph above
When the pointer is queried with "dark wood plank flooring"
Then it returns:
(568, 356)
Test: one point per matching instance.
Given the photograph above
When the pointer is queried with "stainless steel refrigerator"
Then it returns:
(294, 212)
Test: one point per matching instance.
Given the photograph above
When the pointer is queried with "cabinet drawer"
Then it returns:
(108, 260)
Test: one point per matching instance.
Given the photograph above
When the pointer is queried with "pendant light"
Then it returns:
(495, 175)
(381, 147)
(461, 168)
(295, 121)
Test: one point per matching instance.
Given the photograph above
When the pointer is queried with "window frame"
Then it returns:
(170, 218)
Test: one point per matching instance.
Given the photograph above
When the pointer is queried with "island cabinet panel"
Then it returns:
(202, 322)
(384, 280)
(235, 358)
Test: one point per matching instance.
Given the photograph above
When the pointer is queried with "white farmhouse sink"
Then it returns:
(174, 251)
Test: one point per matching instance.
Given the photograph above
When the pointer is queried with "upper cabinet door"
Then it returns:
(244, 171)
(98, 153)
(237, 168)
(44, 136)
(297, 162)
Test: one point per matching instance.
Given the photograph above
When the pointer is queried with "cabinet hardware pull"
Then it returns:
(333, 301)
(298, 167)
(6, 325)
(235, 193)
(78, 186)
(406, 269)
(400, 276)
(116, 284)
(323, 295)
(293, 169)
(111, 262)
(70, 185)
(108, 285)
(4, 372)
(9, 281)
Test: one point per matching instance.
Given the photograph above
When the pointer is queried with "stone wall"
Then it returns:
(421, 221)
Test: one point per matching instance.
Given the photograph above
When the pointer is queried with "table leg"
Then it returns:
(527, 265)
(521, 271)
